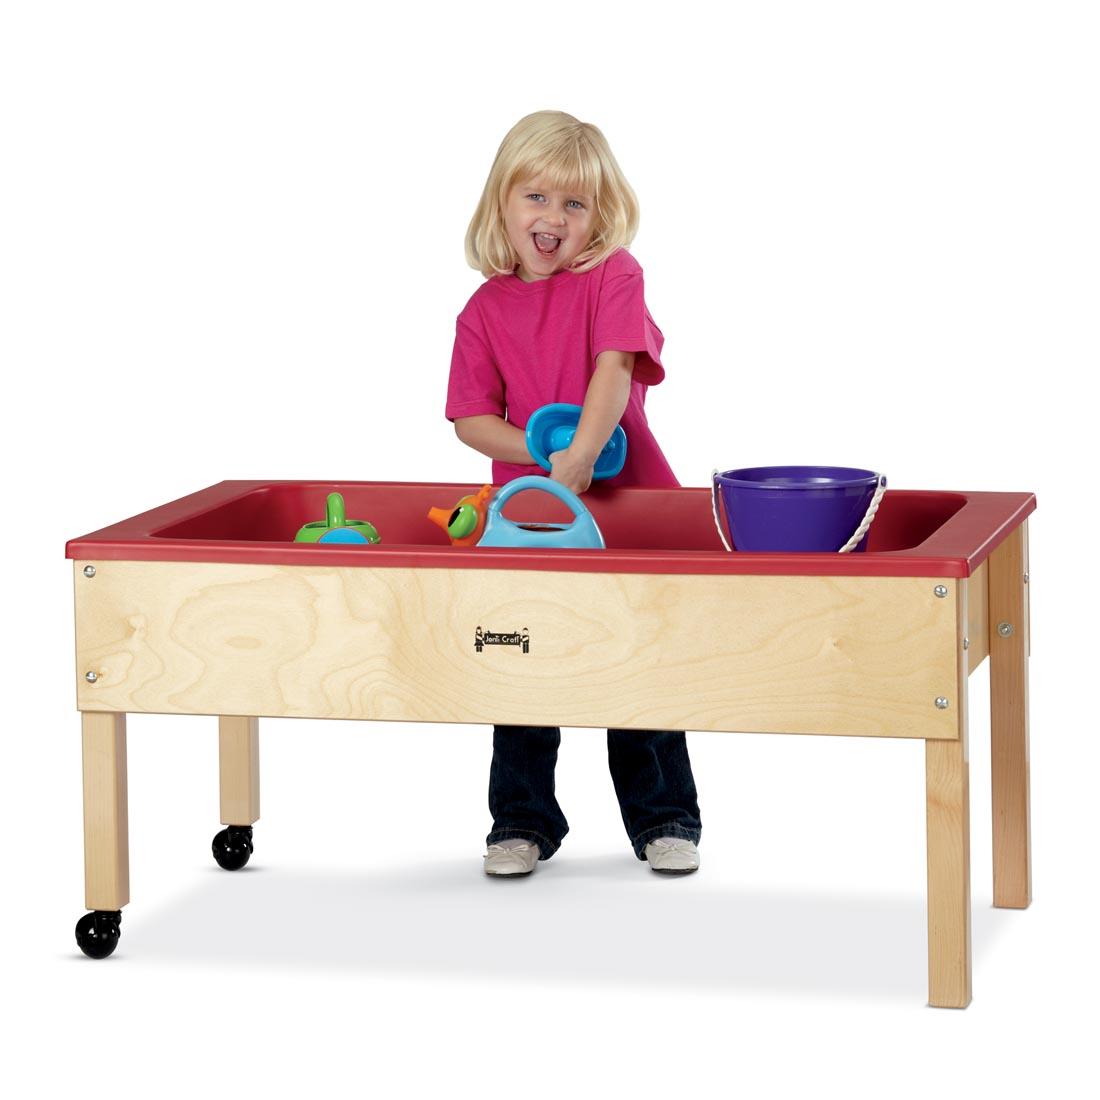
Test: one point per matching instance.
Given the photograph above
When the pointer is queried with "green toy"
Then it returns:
(336, 528)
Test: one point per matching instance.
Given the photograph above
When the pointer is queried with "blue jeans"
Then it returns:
(650, 769)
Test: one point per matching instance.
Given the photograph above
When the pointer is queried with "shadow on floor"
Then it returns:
(599, 920)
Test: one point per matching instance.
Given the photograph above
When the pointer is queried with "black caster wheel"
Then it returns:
(232, 847)
(97, 933)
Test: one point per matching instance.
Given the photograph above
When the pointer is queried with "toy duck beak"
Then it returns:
(442, 516)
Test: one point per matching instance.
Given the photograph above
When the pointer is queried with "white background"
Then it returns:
(232, 248)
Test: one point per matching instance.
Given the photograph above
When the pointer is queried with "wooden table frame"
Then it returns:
(879, 656)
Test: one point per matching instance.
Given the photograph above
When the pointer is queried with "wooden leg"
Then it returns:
(947, 778)
(106, 828)
(947, 799)
(239, 767)
(1008, 653)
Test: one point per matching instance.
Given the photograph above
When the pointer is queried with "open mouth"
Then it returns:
(546, 243)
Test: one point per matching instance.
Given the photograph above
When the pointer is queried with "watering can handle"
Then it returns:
(334, 510)
(535, 481)
(850, 545)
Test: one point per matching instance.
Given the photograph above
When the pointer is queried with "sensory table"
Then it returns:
(206, 606)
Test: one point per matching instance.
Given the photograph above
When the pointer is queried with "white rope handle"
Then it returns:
(714, 507)
(872, 508)
(851, 544)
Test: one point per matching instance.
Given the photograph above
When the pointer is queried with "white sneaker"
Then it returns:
(511, 857)
(672, 856)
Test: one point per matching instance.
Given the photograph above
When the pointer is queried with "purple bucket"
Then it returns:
(795, 508)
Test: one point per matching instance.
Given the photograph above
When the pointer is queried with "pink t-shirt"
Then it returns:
(520, 345)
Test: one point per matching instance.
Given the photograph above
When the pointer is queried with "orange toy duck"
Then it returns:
(465, 522)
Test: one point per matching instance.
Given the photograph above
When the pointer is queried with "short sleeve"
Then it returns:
(623, 323)
(475, 387)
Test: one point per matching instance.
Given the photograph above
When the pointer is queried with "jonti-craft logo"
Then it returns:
(483, 638)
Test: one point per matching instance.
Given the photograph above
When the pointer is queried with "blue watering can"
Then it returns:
(582, 533)
(552, 427)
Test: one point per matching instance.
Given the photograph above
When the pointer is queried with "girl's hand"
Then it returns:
(571, 470)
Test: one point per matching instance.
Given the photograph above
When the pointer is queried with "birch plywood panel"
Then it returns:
(837, 655)
(977, 628)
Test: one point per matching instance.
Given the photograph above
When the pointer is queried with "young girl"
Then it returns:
(562, 317)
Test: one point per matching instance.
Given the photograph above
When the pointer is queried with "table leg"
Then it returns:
(239, 769)
(1008, 696)
(947, 779)
(106, 829)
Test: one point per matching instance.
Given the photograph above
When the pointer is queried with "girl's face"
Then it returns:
(547, 229)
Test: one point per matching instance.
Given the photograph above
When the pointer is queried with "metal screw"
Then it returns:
(1005, 630)
(942, 703)
(941, 591)
(966, 643)
(91, 677)
(89, 570)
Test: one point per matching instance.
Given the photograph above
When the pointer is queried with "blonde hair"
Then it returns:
(568, 155)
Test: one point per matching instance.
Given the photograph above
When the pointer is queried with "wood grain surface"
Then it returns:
(834, 655)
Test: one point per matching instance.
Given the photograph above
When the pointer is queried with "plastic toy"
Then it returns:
(581, 533)
(336, 528)
(809, 509)
(465, 522)
(552, 428)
